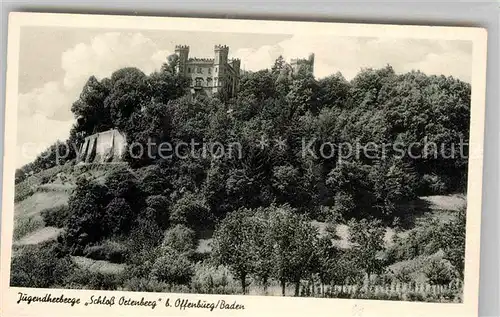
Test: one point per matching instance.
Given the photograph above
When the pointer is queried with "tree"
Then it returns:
(260, 84)
(180, 238)
(160, 204)
(87, 210)
(333, 91)
(118, 216)
(171, 64)
(325, 258)
(189, 118)
(367, 239)
(279, 64)
(130, 90)
(90, 109)
(232, 245)
(166, 85)
(369, 87)
(439, 272)
(287, 182)
(145, 237)
(262, 246)
(156, 180)
(192, 210)
(345, 270)
(41, 266)
(454, 241)
(353, 188)
(172, 267)
(393, 185)
(303, 95)
(294, 240)
(122, 183)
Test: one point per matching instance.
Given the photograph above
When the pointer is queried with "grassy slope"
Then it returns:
(59, 183)
(28, 223)
(29, 227)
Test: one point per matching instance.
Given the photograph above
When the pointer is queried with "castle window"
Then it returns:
(215, 81)
(216, 69)
(189, 69)
(209, 70)
(199, 82)
(209, 81)
(200, 71)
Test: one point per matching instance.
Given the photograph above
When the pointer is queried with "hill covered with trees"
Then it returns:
(353, 152)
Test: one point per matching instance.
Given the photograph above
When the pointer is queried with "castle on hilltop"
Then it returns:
(209, 75)
(212, 75)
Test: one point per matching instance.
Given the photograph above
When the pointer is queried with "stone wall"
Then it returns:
(103, 147)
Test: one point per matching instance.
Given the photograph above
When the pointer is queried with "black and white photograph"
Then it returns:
(276, 163)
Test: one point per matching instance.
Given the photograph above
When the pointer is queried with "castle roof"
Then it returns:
(201, 60)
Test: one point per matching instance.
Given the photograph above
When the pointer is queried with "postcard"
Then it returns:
(162, 166)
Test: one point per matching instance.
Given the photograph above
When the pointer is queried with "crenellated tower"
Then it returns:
(221, 53)
(303, 64)
(209, 76)
(236, 64)
(183, 52)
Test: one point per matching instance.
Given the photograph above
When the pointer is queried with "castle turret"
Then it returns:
(183, 52)
(299, 64)
(221, 52)
(236, 65)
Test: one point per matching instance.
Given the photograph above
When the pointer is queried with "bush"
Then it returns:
(145, 235)
(180, 238)
(210, 279)
(122, 183)
(87, 210)
(118, 216)
(45, 179)
(330, 214)
(172, 268)
(439, 272)
(87, 279)
(141, 264)
(382, 296)
(403, 275)
(111, 251)
(24, 226)
(22, 191)
(40, 266)
(136, 284)
(160, 204)
(193, 211)
(414, 297)
(155, 180)
(433, 185)
(450, 295)
(20, 176)
(56, 216)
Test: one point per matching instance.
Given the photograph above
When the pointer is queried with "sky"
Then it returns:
(55, 63)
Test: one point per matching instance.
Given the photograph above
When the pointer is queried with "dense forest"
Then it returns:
(260, 208)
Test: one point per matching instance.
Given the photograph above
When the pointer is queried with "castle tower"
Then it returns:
(221, 52)
(183, 52)
(303, 64)
(236, 64)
